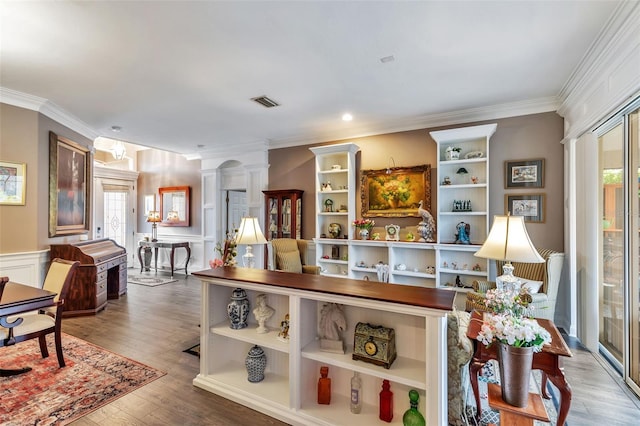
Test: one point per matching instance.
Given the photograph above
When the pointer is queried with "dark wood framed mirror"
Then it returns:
(174, 205)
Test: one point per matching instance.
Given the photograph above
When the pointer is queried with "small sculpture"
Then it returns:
(283, 336)
(426, 227)
(332, 322)
(262, 313)
(463, 234)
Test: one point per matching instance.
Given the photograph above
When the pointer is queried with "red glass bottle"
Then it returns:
(386, 402)
(324, 387)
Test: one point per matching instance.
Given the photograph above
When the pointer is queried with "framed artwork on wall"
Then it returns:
(531, 206)
(395, 192)
(13, 183)
(524, 173)
(69, 183)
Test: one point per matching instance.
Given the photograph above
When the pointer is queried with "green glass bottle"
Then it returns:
(412, 416)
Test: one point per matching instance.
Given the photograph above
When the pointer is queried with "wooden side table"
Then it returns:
(516, 416)
(142, 245)
(548, 361)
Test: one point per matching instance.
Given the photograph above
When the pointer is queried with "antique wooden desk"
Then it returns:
(18, 298)
(162, 244)
(515, 416)
(548, 360)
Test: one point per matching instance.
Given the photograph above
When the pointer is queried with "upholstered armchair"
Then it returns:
(37, 324)
(289, 255)
(548, 273)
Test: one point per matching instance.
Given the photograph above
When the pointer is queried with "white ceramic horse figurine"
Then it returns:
(332, 321)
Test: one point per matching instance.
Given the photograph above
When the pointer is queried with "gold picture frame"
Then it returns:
(69, 187)
(395, 192)
(13, 183)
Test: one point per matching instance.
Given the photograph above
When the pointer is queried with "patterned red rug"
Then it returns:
(49, 395)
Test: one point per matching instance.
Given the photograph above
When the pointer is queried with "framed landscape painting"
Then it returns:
(395, 192)
(69, 182)
(13, 183)
(531, 206)
(524, 173)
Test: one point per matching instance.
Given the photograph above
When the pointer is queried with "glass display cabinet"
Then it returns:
(283, 209)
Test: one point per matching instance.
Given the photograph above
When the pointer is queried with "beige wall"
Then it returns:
(525, 137)
(161, 169)
(24, 138)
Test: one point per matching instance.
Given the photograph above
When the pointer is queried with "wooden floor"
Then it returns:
(154, 325)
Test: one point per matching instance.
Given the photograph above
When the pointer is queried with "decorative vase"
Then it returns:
(412, 416)
(335, 229)
(238, 309)
(256, 362)
(515, 370)
(324, 386)
(364, 233)
(386, 402)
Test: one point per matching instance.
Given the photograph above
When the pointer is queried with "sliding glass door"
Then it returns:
(619, 294)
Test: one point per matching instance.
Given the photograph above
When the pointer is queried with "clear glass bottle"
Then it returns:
(356, 393)
(386, 402)
(412, 416)
(324, 387)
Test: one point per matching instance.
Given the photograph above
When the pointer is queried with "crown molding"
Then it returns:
(48, 108)
(622, 23)
(238, 150)
(492, 112)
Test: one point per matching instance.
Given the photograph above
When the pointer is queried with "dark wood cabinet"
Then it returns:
(283, 209)
(102, 274)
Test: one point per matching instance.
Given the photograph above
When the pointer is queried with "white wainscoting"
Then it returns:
(197, 262)
(27, 268)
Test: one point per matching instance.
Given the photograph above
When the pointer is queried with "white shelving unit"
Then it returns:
(335, 165)
(289, 390)
(468, 176)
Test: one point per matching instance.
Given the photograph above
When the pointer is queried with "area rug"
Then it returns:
(49, 395)
(149, 281)
(491, 374)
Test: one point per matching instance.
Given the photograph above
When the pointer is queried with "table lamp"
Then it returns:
(154, 218)
(249, 233)
(508, 241)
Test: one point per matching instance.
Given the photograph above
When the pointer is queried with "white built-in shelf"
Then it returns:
(249, 335)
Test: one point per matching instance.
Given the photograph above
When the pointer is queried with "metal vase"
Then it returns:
(515, 371)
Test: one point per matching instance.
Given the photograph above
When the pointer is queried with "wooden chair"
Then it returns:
(45, 321)
(287, 254)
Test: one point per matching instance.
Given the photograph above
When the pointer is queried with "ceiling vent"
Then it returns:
(265, 102)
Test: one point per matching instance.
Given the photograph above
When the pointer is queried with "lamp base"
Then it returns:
(154, 232)
(507, 281)
(248, 259)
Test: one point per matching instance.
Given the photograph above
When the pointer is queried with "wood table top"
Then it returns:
(432, 298)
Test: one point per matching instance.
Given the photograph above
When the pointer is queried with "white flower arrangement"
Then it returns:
(513, 330)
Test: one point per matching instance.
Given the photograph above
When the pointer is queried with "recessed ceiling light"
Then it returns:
(116, 129)
(347, 117)
(386, 59)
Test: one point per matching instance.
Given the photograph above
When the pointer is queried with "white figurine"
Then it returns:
(332, 322)
(262, 313)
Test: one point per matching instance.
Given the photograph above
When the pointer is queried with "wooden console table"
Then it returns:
(548, 360)
(164, 244)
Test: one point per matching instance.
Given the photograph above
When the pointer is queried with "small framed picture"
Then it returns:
(524, 173)
(531, 206)
(13, 183)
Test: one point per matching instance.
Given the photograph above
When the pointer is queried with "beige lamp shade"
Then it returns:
(154, 216)
(249, 233)
(508, 240)
(172, 216)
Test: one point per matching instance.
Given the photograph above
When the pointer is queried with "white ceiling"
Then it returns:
(175, 75)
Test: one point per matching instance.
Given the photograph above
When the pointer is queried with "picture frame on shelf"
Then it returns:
(13, 183)
(69, 183)
(524, 173)
(531, 206)
(395, 192)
